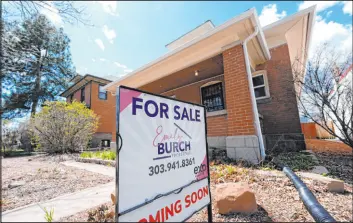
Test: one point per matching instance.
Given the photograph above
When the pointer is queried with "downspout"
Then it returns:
(253, 99)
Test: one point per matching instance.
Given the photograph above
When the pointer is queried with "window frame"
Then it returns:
(217, 112)
(83, 94)
(99, 92)
(108, 142)
(266, 85)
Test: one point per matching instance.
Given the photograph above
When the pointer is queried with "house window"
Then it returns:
(260, 84)
(71, 97)
(212, 97)
(105, 143)
(82, 94)
(102, 94)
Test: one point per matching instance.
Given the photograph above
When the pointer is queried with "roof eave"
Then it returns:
(64, 94)
(245, 15)
(261, 36)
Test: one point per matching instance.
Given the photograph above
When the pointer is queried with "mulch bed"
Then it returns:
(276, 196)
(45, 178)
(340, 166)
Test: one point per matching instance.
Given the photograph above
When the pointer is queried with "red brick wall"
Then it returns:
(280, 112)
(105, 109)
(239, 118)
(216, 125)
(238, 101)
(77, 95)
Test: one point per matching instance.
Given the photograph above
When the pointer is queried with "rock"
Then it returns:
(234, 197)
(335, 186)
(16, 184)
(319, 170)
(332, 185)
(29, 159)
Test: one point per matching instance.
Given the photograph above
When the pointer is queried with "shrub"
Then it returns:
(105, 155)
(86, 155)
(62, 127)
(294, 160)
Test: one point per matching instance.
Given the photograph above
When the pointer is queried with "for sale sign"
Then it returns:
(162, 170)
(175, 207)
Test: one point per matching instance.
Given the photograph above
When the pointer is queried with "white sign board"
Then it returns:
(176, 207)
(163, 149)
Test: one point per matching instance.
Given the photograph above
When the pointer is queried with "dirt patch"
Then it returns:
(334, 147)
(279, 201)
(277, 198)
(44, 180)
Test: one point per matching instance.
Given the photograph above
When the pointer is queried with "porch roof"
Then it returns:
(199, 49)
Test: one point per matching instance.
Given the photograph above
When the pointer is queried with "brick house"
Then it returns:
(240, 71)
(88, 89)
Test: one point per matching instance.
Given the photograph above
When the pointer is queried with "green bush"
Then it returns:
(86, 155)
(62, 127)
(104, 155)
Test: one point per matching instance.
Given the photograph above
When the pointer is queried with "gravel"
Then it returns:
(44, 178)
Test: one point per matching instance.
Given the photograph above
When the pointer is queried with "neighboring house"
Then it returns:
(344, 83)
(311, 130)
(210, 66)
(88, 89)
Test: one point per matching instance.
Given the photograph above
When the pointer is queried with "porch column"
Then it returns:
(241, 141)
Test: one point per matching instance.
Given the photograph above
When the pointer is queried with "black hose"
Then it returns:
(316, 210)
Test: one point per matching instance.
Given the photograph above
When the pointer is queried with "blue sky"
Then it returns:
(128, 35)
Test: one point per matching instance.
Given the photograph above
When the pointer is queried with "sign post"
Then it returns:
(162, 168)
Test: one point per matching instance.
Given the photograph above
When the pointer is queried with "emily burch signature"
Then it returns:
(162, 136)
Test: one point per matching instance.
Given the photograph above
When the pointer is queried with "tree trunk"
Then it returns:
(36, 88)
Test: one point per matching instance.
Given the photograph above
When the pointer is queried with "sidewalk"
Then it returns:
(105, 170)
(67, 204)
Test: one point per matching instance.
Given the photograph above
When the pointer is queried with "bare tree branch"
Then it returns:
(322, 95)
